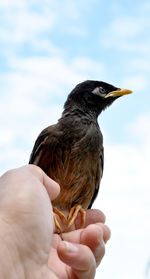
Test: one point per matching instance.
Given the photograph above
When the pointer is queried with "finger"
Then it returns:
(51, 186)
(79, 258)
(92, 216)
(75, 236)
(94, 236)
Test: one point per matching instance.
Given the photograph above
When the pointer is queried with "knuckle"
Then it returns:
(35, 169)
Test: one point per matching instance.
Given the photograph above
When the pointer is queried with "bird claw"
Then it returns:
(73, 213)
(69, 220)
(61, 216)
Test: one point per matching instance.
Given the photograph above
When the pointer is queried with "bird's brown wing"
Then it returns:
(47, 152)
(39, 145)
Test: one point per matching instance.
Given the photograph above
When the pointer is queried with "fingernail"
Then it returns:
(100, 239)
(70, 248)
(102, 243)
(100, 228)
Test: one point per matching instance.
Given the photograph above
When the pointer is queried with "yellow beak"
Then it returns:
(118, 93)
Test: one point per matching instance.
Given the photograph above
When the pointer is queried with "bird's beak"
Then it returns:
(118, 93)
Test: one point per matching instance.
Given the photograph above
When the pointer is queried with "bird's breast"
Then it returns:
(80, 172)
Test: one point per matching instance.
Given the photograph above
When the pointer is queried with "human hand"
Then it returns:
(26, 221)
(76, 254)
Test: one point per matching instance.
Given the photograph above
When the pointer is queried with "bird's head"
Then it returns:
(94, 96)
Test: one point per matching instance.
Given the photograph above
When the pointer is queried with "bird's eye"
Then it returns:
(102, 90)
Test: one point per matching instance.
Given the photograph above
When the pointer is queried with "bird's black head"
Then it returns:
(94, 96)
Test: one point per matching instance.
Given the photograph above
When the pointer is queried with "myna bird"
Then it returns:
(71, 151)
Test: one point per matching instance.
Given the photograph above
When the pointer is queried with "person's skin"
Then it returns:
(29, 247)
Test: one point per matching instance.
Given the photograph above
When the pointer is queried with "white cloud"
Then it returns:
(121, 30)
(6, 137)
(127, 33)
(126, 27)
(141, 64)
(141, 128)
(12, 4)
(39, 77)
(137, 83)
(23, 21)
(21, 122)
(46, 47)
(145, 7)
(88, 66)
(24, 25)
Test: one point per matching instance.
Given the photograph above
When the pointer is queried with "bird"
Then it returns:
(71, 151)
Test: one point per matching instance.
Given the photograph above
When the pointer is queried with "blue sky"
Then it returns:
(46, 48)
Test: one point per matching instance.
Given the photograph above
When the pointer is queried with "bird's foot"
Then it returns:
(73, 213)
(64, 223)
(61, 216)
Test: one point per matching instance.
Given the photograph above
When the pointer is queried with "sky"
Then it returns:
(46, 48)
